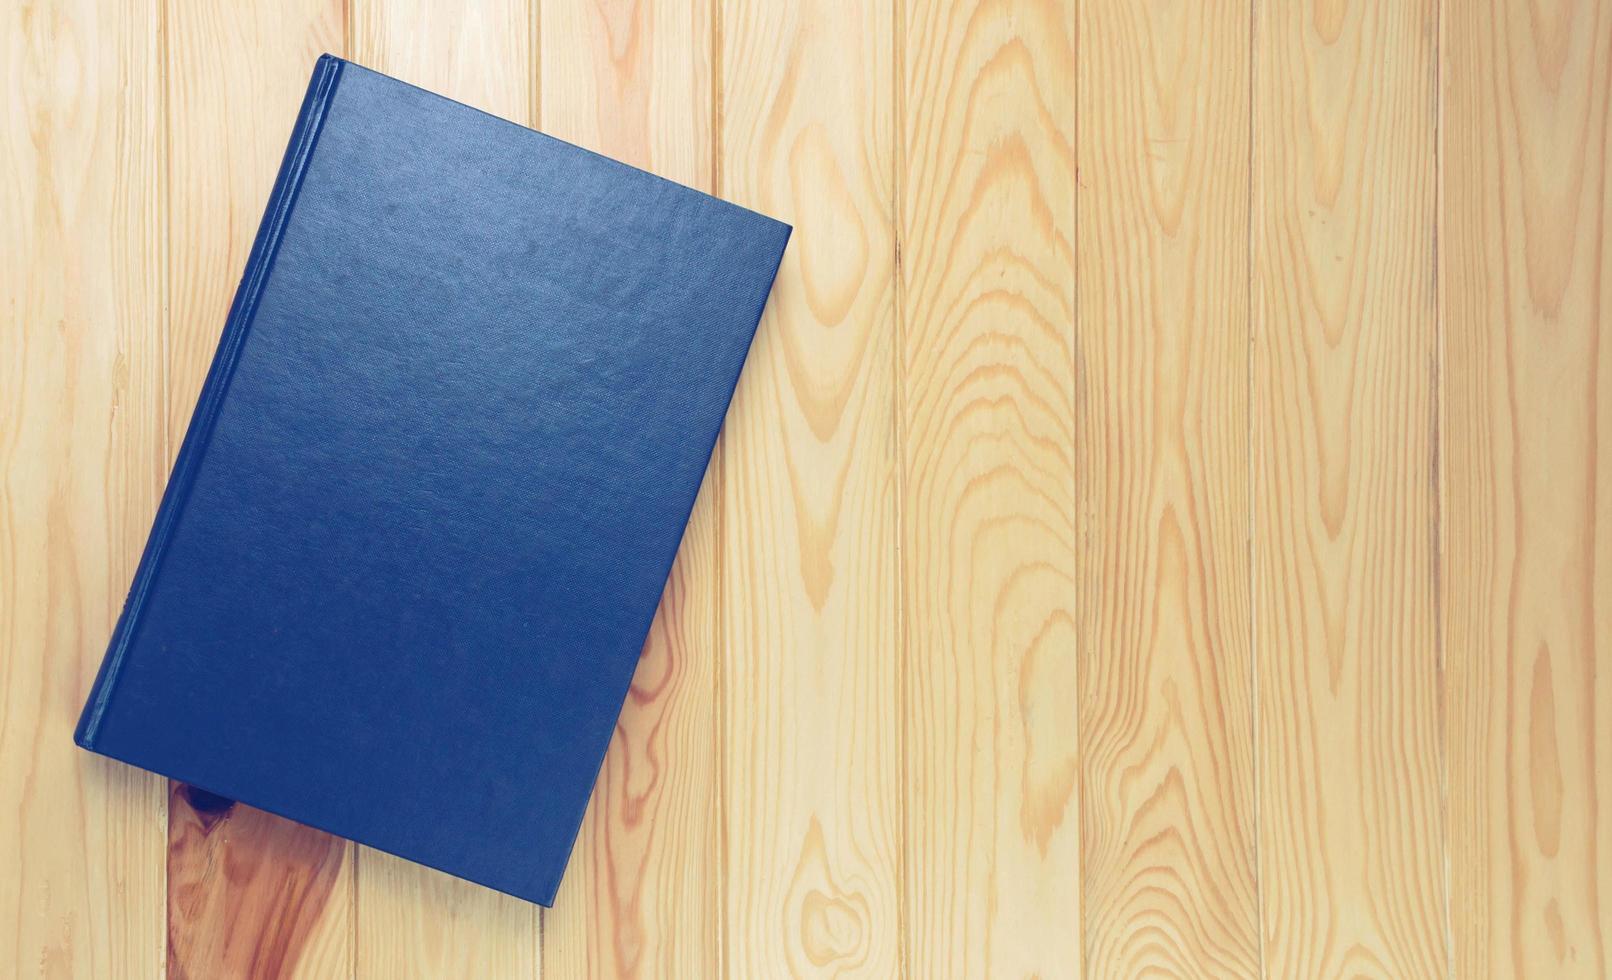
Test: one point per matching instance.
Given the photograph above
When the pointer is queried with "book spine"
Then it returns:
(259, 265)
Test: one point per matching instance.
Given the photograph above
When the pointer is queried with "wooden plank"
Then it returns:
(1526, 287)
(249, 894)
(809, 581)
(987, 276)
(254, 895)
(1351, 846)
(640, 897)
(481, 53)
(413, 921)
(416, 922)
(81, 468)
(1166, 714)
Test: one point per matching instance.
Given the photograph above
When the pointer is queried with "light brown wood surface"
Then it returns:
(986, 195)
(82, 459)
(811, 797)
(1351, 850)
(1163, 527)
(1525, 273)
(1166, 714)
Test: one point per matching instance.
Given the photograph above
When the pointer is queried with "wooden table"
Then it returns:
(1162, 525)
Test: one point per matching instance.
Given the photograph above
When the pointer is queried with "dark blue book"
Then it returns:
(438, 472)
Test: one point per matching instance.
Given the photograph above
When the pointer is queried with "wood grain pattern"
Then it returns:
(1526, 291)
(249, 894)
(81, 468)
(1348, 739)
(482, 53)
(413, 921)
(633, 80)
(1166, 716)
(254, 895)
(1162, 528)
(809, 581)
(987, 207)
(416, 922)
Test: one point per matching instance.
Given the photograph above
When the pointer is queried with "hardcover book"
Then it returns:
(434, 483)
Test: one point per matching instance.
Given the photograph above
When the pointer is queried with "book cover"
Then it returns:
(435, 480)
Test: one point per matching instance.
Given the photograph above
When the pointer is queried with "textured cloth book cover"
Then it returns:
(435, 480)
